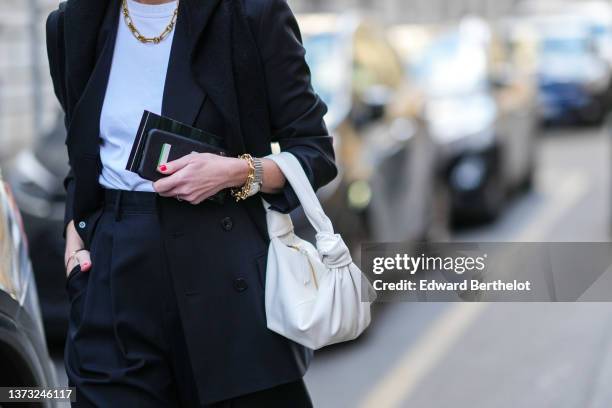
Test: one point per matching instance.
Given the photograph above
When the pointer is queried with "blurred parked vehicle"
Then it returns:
(24, 358)
(36, 176)
(598, 18)
(574, 75)
(479, 111)
(387, 189)
(595, 15)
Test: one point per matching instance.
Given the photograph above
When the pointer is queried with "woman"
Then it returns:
(166, 287)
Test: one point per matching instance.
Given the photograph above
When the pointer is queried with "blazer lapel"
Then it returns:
(212, 62)
(197, 13)
(84, 128)
(183, 96)
(82, 22)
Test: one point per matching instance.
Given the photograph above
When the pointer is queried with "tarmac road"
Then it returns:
(496, 354)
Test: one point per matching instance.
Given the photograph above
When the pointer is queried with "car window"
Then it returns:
(451, 66)
(564, 45)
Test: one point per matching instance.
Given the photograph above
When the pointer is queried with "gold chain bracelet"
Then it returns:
(242, 193)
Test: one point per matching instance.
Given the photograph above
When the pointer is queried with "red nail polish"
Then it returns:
(163, 167)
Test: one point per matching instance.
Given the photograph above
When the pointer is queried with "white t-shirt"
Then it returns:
(136, 83)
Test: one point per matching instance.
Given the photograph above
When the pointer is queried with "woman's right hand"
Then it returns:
(75, 243)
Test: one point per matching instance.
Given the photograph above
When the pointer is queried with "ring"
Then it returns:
(178, 198)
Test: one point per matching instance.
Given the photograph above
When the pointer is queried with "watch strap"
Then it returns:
(258, 177)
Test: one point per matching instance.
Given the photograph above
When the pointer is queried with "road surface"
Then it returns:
(495, 355)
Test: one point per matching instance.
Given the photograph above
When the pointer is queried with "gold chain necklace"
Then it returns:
(138, 35)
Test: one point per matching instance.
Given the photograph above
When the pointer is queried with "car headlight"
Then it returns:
(16, 277)
(10, 237)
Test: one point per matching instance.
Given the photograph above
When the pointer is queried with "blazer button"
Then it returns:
(82, 224)
(227, 223)
(240, 284)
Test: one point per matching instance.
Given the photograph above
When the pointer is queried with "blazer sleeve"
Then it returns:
(296, 111)
(55, 53)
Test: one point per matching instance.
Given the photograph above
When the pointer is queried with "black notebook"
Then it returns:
(160, 139)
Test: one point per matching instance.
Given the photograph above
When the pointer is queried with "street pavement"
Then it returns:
(497, 354)
(493, 355)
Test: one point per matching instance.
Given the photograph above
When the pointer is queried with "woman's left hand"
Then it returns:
(198, 176)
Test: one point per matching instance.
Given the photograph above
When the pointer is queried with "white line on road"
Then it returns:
(431, 347)
(563, 192)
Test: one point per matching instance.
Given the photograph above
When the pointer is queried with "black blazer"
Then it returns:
(237, 70)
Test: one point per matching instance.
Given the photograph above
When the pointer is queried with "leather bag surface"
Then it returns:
(313, 294)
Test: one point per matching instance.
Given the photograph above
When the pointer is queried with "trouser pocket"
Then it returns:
(75, 286)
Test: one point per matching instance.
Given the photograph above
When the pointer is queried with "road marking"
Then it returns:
(562, 191)
(562, 196)
(431, 347)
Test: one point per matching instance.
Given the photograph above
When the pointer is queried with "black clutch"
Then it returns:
(161, 140)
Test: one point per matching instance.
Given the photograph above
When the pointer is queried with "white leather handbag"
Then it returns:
(313, 295)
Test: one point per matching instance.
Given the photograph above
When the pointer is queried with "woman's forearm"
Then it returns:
(273, 178)
(73, 240)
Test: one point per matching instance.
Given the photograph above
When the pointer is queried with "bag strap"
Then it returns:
(294, 173)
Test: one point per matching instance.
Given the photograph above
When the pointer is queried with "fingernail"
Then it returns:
(86, 264)
(163, 167)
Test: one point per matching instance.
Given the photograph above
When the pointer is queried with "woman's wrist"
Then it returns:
(238, 174)
(72, 236)
(73, 240)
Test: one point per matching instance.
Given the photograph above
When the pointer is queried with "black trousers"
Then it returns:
(125, 343)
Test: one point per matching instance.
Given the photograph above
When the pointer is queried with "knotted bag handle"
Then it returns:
(296, 177)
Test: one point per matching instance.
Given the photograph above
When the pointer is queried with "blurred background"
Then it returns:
(453, 120)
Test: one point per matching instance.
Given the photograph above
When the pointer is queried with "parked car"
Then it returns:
(595, 15)
(387, 188)
(598, 17)
(480, 116)
(23, 351)
(575, 80)
(36, 175)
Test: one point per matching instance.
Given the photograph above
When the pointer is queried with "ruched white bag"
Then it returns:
(313, 295)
